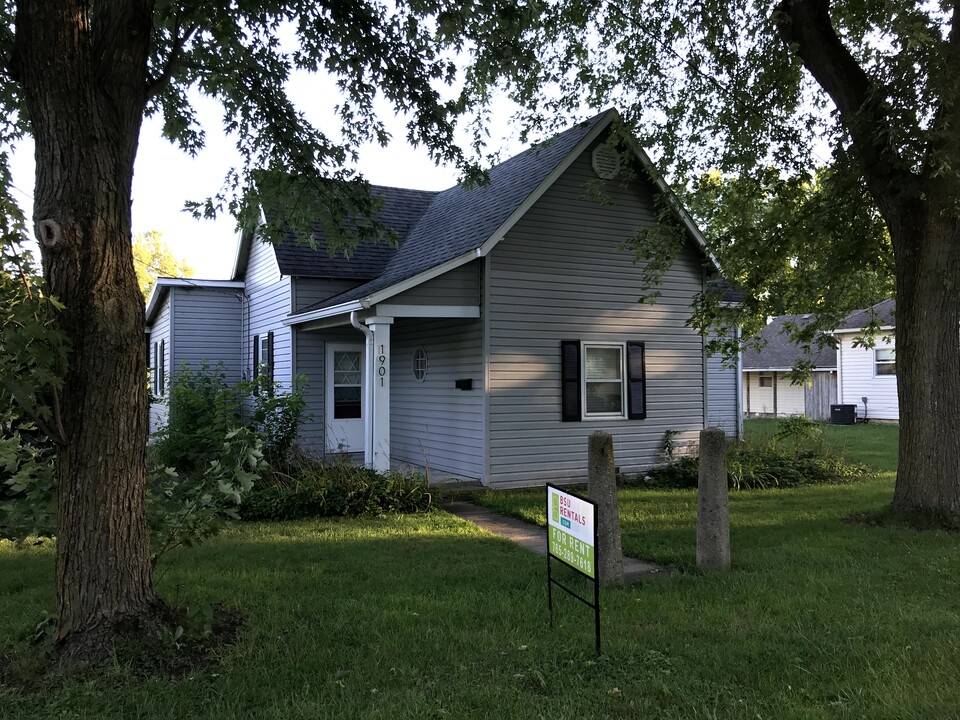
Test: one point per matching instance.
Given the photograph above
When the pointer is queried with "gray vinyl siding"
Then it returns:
(460, 286)
(722, 407)
(310, 361)
(269, 298)
(308, 291)
(559, 275)
(160, 330)
(431, 422)
(208, 329)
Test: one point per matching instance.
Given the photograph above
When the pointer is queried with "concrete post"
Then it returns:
(602, 489)
(713, 512)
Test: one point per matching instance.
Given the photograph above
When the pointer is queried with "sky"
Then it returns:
(165, 177)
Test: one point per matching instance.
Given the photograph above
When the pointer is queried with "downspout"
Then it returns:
(367, 389)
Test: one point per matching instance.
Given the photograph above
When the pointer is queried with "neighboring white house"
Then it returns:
(493, 340)
(767, 389)
(870, 373)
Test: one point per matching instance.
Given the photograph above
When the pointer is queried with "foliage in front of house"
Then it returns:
(796, 455)
(315, 489)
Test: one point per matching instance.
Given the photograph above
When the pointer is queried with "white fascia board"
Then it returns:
(428, 311)
(859, 330)
(507, 224)
(324, 313)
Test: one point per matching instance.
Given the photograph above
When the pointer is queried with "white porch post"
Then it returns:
(380, 415)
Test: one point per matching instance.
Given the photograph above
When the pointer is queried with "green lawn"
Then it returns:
(426, 617)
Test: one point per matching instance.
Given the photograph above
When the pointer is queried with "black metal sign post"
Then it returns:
(571, 523)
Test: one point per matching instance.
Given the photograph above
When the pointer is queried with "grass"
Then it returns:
(428, 617)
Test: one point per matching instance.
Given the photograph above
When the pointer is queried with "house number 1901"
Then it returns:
(382, 366)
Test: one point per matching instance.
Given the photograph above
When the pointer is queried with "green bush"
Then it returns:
(318, 490)
(770, 464)
(202, 409)
(277, 416)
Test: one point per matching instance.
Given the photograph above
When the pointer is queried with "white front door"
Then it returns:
(344, 398)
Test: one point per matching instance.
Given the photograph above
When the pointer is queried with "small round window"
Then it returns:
(420, 364)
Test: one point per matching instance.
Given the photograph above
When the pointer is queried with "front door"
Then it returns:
(344, 398)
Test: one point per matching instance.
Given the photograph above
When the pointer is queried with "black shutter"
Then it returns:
(256, 359)
(155, 367)
(570, 380)
(636, 381)
(270, 363)
(163, 359)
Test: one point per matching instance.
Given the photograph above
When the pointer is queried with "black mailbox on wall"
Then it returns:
(464, 384)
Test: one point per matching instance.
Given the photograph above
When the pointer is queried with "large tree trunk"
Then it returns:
(927, 247)
(84, 80)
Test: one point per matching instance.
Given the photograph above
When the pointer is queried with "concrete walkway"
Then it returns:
(534, 538)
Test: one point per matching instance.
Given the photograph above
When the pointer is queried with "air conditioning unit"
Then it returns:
(843, 414)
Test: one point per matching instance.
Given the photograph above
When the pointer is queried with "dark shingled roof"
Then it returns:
(401, 210)
(780, 353)
(459, 220)
(885, 312)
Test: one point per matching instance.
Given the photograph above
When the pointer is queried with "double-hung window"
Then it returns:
(884, 361)
(603, 376)
(602, 380)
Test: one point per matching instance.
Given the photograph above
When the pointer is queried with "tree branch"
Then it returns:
(806, 25)
(156, 86)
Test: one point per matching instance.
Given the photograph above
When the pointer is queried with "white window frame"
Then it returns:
(765, 376)
(584, 349)
(893, 361)
(420, 351)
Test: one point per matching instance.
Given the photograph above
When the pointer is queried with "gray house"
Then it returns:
(499, 334)
(767, 389)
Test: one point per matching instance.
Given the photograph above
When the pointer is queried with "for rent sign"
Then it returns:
(570, 530)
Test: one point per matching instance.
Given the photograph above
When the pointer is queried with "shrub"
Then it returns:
(277, 416)
(770, 464)
(202, 409)
(185, 510)
(319, 490)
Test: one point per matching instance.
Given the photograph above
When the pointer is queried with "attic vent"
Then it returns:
(606, 162)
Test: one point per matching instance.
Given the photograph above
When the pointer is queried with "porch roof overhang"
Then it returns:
(340, 314)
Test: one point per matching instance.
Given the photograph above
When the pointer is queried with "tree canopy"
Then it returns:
(857, 101)
(153, 258)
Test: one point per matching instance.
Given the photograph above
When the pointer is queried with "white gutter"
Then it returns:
(367, 390)
(347, 307)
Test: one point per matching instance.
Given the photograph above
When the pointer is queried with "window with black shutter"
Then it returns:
(602, 380)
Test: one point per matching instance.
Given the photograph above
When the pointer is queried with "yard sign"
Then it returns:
(572, 539)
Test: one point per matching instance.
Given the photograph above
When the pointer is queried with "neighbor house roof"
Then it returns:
(779, 352)
(163, 285)
(884, 311)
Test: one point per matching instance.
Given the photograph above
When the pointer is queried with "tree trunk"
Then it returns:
(927, 249)
(84, 79)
